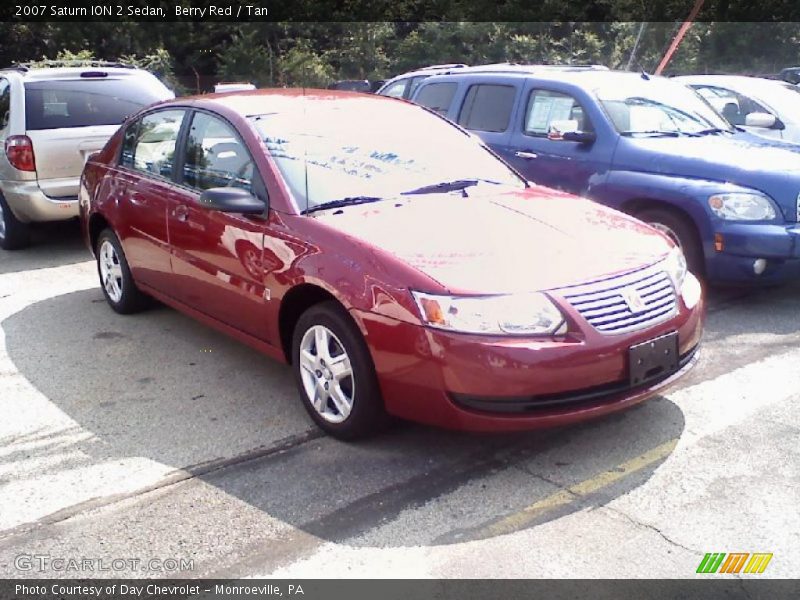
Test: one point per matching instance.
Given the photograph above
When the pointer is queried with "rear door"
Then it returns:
(143, 189)
(67, 120)
(486, 109)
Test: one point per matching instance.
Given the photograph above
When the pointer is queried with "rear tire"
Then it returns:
(14, 234)
(335, 375)
(116, 281)
(679, 231)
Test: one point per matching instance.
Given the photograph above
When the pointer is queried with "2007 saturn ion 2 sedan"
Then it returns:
(398, 265)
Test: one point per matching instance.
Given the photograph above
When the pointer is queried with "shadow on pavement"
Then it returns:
(52, 245)
(160, 386)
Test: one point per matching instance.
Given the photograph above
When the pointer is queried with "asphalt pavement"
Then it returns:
(153, 437)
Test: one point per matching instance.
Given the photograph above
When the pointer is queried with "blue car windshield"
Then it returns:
(351, 148)
(655, 106)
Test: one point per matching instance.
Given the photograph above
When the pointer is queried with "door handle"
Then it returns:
(181, 213)
(522, 154)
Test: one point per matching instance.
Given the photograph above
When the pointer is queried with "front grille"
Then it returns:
(628, 303)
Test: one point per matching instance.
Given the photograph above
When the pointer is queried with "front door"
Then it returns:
(542, 157)
(217, 257)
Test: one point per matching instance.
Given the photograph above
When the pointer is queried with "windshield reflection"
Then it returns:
(659, 107)
(355, 148)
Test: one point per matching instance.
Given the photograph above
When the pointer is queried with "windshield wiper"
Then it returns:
(654, 132)
(712, 131)
(448, 186)
(349, 201)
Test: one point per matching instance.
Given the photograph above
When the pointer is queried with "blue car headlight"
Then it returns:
(742, 206)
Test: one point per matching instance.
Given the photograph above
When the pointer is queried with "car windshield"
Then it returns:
(354, 148)
(657, 106)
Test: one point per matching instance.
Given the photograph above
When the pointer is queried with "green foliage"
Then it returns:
(301, 66)
(247, 57)
(192, 56)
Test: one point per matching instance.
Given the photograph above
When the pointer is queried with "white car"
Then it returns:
(765, 107)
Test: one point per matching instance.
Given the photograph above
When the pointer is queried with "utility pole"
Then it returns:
(642, 25)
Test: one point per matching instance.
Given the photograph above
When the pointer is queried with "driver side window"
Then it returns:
(215, 156)
(733, 106)
(554, 112)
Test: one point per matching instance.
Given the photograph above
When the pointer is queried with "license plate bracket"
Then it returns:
(653, 359)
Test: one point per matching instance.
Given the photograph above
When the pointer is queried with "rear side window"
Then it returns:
(149, 144)
(487, 108)
(437, 96)
(84, 103)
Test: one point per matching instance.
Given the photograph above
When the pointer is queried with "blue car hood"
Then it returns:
(739, 159)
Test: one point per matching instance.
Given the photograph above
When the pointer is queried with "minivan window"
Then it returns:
(487, 107)
(437, 96)
(154, 145)
(396, 90)
(5, 103)
(548, 110)
(86, 102)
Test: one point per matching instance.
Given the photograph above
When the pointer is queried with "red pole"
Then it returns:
(679, 37)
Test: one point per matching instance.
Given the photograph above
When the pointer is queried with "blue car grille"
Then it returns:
(627, 303)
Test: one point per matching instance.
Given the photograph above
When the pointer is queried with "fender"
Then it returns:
(623, 189)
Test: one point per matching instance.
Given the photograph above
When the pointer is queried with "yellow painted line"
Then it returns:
(529, 514)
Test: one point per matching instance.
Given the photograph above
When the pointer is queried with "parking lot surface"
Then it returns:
(152, 436)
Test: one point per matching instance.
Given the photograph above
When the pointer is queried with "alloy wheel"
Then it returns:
(2, 222)
(110, 271)
(327, 374)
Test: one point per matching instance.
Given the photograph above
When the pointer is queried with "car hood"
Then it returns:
(742, 159)
(535, 239)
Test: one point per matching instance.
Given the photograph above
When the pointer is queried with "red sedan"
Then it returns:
(389, 257)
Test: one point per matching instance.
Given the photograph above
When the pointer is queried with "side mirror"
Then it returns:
(582, 137)
(761, 120)
(232, 200)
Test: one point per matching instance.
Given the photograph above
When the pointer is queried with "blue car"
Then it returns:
(644, 145)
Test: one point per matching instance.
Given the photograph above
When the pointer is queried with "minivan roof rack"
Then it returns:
(447, 66)
(54, 64)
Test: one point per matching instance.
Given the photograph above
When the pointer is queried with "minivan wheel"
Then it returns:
(115, 277)
(680, 232)
(14, 234)
(334, 373)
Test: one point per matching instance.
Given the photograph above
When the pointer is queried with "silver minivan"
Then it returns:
(51, 120)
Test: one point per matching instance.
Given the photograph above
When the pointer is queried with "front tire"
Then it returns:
(116, 281)
(335, 375)
(14, 234)
(679, 231)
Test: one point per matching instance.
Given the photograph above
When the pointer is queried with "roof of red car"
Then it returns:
(256, 102)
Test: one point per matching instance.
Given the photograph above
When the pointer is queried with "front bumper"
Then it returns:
(30, 204)
(435, 377)
(743, 244)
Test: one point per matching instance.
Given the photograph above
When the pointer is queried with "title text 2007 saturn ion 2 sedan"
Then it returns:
(394, 261)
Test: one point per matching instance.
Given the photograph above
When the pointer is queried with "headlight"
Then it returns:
(515, 314)
(742, 206)
(675, 266)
